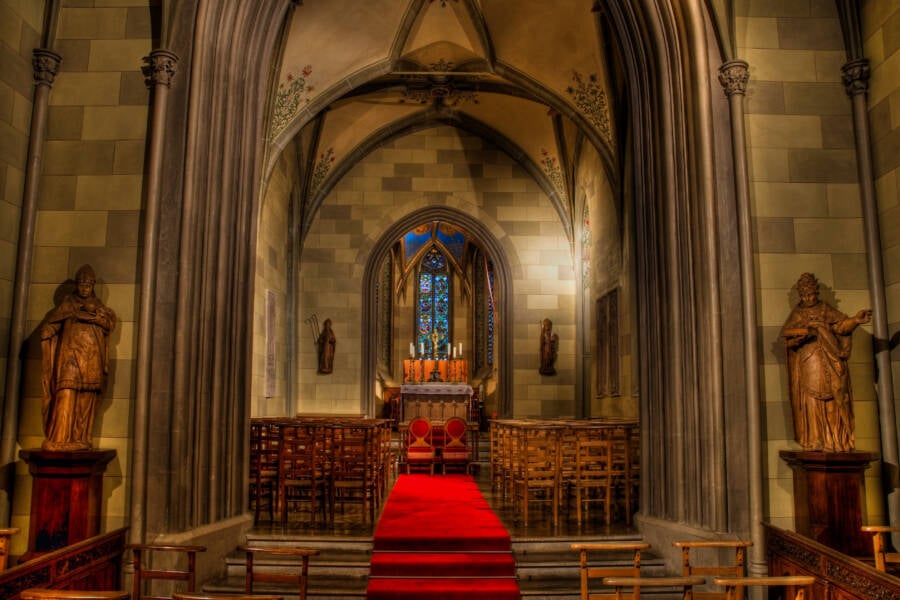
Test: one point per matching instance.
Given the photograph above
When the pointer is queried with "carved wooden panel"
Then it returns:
(92, 564)
(838, 576)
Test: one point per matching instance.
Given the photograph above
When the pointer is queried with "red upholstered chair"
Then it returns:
(456, 452)
(419, 446)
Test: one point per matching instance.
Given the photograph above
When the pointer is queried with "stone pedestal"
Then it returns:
(66, 496)
(830, 498)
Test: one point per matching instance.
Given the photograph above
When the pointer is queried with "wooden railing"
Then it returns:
(838, 576)
(92, 564)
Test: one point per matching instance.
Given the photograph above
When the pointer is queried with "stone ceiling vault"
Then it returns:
(528, 75)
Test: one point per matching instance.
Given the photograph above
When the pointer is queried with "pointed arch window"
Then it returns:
(433, 302)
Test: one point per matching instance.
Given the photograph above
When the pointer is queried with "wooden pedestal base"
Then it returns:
(66, 496)
(830, 498)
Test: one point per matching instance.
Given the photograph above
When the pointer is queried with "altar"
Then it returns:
(436, 401)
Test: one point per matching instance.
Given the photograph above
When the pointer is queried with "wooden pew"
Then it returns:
(91, 564)
(882, 557)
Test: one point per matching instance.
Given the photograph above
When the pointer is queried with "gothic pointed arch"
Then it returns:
(504, 266)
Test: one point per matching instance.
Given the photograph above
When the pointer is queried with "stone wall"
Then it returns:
(881, 32)
(447, 167)
(89, 212)
(806, 210)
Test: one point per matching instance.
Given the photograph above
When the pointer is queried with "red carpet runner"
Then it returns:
(438, 539)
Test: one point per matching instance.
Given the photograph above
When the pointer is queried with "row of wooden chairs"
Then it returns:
(320, 462)
(553, 462)
(625, 580)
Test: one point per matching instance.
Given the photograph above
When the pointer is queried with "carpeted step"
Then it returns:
(471, 588)
(438, 564)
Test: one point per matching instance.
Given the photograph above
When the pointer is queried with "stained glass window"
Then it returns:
(433, 305)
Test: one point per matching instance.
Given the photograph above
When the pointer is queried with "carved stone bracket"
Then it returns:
(160, 68)
(855, 75)
(734, 75)
(46, 65)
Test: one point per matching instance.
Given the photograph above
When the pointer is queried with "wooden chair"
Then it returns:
(588, 573)
(144, 554)
(353, 471)
(419, 446)
(47, 594)
(798, 587)
(734, 569)
(593, 479)
(685, 583)
(302, 470)
(5, 535)
(265, 454)
(456, 452)
(883, 558)
(301, 579)
(536, 473)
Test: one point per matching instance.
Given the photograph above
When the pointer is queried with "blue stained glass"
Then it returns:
(433, 304)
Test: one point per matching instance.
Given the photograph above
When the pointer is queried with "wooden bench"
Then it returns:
(686, 583)
(632, 570)
(735, 569)
(5, 534)
(882, 557)
(301, 579)
(800, 584)
(143, 572)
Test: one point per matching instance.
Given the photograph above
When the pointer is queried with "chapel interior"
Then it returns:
(497, 220)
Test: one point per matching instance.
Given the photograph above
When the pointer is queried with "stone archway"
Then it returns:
(503, 268)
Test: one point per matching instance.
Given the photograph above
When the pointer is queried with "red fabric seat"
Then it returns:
(456, 452)
(419, 446)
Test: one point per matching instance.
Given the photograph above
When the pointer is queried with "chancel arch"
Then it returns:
(488, 246)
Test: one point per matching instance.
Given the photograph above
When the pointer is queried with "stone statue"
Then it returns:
(75, 362)
(818, 339)
(549, 348)
(326, 344)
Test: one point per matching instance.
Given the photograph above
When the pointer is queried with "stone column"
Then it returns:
(855, 75)
(734, 75)
(46, 64)
(158, 73)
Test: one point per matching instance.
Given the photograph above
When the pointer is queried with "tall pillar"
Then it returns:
(855, 75)
(46, 64)
(734, 75)
(158, 72)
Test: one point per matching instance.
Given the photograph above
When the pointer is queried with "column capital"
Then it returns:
(46, 64)
(734, 75)
(160, 68)
(855, 75)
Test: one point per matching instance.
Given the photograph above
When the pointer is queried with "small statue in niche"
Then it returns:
(75, 363)
(326, 344)
(818, 340)
(549, 348)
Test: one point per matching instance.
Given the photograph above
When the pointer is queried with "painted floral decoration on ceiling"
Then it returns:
(553, 172)
(590, 99)
(320, 171)
(291, 94)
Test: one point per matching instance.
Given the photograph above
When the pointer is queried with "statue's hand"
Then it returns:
(864, 316)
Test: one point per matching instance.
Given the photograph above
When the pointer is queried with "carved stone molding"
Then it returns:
(734, 75)
(160, 68)
(46, 64)
(855, 75)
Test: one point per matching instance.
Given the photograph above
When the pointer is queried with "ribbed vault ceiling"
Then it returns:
(529, 75)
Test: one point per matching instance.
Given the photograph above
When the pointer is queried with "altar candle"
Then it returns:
(412, 350)
(454, 353)
(421, 348)
(448, 350)
(460, 350)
